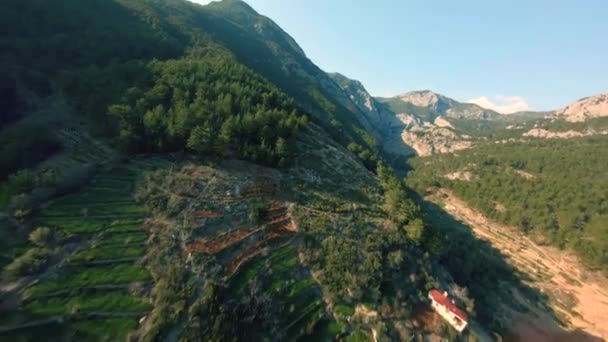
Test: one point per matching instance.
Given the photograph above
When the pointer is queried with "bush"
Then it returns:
(344, 310)
(21, 182)
(43, 237)
(257, 210)
(31, 262)
(24, 181)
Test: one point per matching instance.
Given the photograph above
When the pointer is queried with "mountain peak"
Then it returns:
(344, 81)
(586, 108)
(423, 98)
(249, 20)
(428, 105)
(242, 4)
(356, 92)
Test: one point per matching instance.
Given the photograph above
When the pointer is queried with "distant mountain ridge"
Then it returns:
(417, 119)
(429, 105)
(430, 123)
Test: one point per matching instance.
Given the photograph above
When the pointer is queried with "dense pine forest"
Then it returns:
(552, 189)
(206, 104)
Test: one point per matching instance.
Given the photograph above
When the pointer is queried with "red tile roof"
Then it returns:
(445, 301)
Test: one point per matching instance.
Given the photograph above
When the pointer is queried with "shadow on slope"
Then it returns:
(503, 301)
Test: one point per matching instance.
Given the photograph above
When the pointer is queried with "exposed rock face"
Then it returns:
(376, 116)
(427, 138)
(441, 122)
(419, 127)
(586, 108)
(465, 176)
(434, 140)
(424, 98)
(425, 123)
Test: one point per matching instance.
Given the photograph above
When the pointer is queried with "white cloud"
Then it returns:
(202, 2)
(502, 104)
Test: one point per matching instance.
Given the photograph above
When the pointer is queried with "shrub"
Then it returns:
(344, 310)
(31, 262)
(43, 237)
(257, 210)
(21, 182)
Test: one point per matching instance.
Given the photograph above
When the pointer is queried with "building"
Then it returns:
(447, 309)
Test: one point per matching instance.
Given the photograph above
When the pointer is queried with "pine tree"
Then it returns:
(201, 139)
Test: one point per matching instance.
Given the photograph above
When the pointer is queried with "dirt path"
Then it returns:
(579, 296)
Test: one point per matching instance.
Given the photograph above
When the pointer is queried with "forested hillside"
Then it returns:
(552, 189)
(203, 102)
(84, 52)
(122, 217)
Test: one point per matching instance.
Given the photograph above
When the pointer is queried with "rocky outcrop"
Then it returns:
(433, 141)
(425, 98)
(375, 116)
(585, 108)
(441, 122)
(431, 138)
(412, 123)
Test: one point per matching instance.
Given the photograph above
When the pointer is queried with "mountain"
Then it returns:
(585, 108)
(416, 123)
(425, 123)
(166, 30)
(380, 119)
(428, 105)
(170, 171)
(263, 46)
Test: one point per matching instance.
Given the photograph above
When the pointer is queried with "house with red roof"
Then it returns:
(447, 309)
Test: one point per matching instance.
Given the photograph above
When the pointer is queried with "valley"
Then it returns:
(578, 297)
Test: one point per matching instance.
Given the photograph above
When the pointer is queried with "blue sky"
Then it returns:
(540, 54)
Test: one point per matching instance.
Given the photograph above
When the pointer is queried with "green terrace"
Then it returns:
(282, 276)
(99, 287)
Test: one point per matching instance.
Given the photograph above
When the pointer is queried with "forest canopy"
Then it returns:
(211, 106)
(549, 188)
(119, 78)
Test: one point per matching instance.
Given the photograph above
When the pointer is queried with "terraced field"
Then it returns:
(279, 273)
(97, 289)
(234, 228)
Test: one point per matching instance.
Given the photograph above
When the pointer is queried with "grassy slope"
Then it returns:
(105, 223)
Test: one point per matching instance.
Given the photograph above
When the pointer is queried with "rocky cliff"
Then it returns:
(585, 108)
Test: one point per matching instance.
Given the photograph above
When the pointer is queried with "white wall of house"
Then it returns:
(449, 316)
